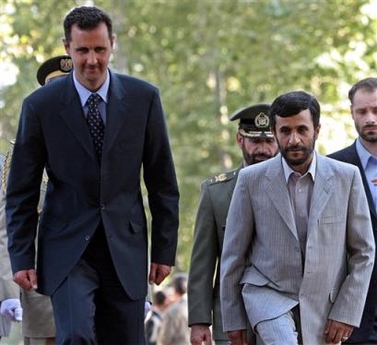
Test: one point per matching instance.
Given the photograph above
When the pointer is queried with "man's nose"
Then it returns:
(92, 57)
(294, 138)
(371, 118)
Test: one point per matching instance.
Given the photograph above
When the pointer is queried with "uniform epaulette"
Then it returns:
(6, 167)
(222, 177)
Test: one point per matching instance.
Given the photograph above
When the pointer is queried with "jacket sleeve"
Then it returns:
(204, 257)
(349, 303)
(161, 183)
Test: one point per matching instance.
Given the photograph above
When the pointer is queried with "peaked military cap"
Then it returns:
(54, 67)
(254, 121)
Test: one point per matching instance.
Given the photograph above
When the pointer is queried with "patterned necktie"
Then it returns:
(95, 123)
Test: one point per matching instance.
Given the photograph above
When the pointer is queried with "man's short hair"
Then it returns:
(86, 18)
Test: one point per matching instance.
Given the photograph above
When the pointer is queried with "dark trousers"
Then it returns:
(91, 306)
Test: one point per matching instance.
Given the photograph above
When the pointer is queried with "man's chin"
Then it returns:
(259, 159)
(295, 159)
(370, 136)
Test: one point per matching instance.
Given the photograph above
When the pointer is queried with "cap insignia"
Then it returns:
(262, 121)
(66, 65)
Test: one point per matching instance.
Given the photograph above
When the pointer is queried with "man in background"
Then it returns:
(174, 329)
(363, 154)
(38, 327)
(257, 144)
(10, 306)
(154, 317)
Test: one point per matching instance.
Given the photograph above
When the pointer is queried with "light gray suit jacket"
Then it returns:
(262, 250)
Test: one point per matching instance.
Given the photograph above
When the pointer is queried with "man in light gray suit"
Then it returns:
(298, 249)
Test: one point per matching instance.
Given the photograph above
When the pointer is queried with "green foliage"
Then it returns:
(209, 58)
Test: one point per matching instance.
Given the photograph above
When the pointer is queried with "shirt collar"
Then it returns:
(288, 170)
(84, 93)
(363, 153)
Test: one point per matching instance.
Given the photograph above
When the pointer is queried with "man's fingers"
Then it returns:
(27, 279)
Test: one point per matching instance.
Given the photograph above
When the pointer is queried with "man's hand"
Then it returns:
(200, 334)
(27, 279)
(11, 309)
(158, 273)
(238, 337)
(337, 332)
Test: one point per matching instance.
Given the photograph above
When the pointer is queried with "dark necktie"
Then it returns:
(95, 123)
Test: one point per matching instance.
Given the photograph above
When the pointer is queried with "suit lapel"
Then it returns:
(72, 115)
(322, 190)
(355, 159)
(349, 155)
(117, 110)
(276, 188)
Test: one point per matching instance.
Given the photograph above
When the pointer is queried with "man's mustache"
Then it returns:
(295, 148)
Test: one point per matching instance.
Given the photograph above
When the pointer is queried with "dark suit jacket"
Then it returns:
(349, 155)
(53, 134)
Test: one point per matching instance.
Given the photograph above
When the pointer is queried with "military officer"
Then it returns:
(38, 327)
(10, 307)
(55, 67)
(257, 144)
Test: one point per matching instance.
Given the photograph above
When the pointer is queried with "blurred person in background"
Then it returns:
(363, 154)
(10, 306)
(154, 316)
(174, 329)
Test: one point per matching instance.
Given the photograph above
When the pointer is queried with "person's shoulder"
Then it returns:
(49, 91)
(339, 165)
(2, 159)
(222, 178)
(133, 81)
(5, 166)
(342, 153)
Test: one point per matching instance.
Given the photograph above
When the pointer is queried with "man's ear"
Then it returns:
(239, 139)
(317, 131)
(113, 39)
(66, 45)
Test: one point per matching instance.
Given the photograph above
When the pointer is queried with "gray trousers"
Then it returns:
(280, 330)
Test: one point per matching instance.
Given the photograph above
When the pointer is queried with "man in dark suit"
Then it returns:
(92, 241)
(363, 154)
(257, 144)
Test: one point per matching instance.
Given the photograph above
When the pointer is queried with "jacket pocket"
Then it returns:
(135, 227)
(333, 295)
(252, 276)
